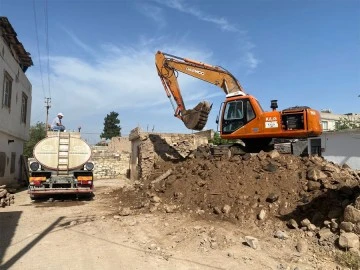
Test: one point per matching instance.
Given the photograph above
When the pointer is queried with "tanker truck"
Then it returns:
(61, 165)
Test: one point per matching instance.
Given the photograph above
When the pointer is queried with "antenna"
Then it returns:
(47, 106)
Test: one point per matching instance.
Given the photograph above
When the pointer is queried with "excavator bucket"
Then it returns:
(196, 118)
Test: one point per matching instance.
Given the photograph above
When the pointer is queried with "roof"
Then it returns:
(10, 37)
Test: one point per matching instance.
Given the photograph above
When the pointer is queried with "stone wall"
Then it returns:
(119, 144)
(148, 148)
(109, 163)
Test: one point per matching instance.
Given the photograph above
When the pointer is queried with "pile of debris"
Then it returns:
(5, 197)
(281, 192)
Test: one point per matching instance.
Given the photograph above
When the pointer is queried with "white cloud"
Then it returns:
(78, 41)
(244, 42)
(154, 13)
(180, 6)
(251, 60)
(124, 80)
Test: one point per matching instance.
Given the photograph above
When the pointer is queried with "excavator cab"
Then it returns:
(236, 114)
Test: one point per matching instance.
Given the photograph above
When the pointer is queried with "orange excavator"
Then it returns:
(241, 115)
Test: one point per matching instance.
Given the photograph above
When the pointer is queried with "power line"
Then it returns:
(47, 44)
(38, 48)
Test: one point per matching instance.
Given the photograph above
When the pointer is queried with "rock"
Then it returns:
(334, 225)
(125, 211)
(116, 217)
(73, 223)
(351, 214)
(311, 227)
(214, 245)
(313, 185)
(357, 203)
(252, 242)
(292, 166)
(327, 223)
(261, 155)
(169, 208)
(302, 246)
(153, 208)
(346, 226)
(155, 199)
(272, 197)
(305, 222)
(270, 167)
(325, 234)
(274, 154)
(315, 174)
(200, 211)
(292, 224)
(246, 157)
(226, 209)
(330, 168)
(357, 228)
(349, 240)
(281, 235)
(152, 247)
(217, 210)
(262, 214)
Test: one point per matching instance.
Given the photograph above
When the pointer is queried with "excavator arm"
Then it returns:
(168, 67)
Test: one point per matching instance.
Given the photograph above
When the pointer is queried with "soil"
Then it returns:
(266, 194)
(197, 213)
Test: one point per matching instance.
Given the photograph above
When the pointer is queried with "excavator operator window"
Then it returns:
(250, 115)
(233, 117)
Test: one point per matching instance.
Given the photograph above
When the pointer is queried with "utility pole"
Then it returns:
(47, 106)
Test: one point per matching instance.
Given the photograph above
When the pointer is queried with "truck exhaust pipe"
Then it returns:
(196, 118)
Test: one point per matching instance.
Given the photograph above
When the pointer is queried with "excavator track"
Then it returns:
(197, 117)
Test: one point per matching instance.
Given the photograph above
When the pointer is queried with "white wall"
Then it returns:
(11, 126)
(342, 147)
(7, 147)
(10, 121)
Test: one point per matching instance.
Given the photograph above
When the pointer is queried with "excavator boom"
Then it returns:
(169, 65)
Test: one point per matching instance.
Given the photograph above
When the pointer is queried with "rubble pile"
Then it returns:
(5, 197)
(278, 193)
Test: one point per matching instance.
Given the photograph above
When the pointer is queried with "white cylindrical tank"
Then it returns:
(59, 150)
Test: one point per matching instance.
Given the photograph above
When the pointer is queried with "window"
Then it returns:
(234, 110)
(325, 125)
(6, 102)
(233, 116)
(24, 101)
(250, 115)
(12, 164)
(2, 163)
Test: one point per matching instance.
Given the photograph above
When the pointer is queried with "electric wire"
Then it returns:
(47, 45)
(38, 48)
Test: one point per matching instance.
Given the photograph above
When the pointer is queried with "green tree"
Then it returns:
(37, 132)
(346, 123)
(217, 140)
(111, 126)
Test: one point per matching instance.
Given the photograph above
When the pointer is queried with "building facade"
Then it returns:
(330, 121)
(15, 107)
(340, 147)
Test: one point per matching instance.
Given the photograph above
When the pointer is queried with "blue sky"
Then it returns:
(101, 56)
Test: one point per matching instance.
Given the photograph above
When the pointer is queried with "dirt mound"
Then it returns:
(268, 190)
